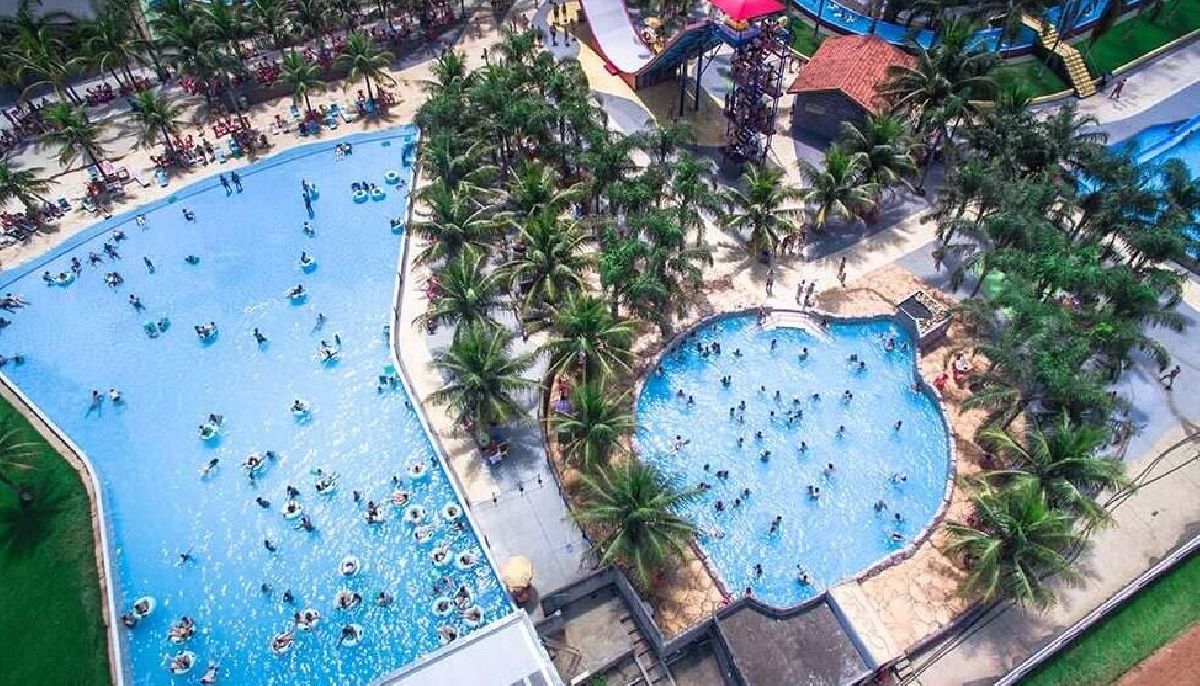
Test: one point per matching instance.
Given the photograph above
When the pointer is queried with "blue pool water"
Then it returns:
(148, 455)
(1157, 144)
(839, 534)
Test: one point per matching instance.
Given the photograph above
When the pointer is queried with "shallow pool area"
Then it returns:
(773, 417)
(211, 528)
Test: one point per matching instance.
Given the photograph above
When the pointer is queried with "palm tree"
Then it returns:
(587, 337)
(16, 455)
(636, 510)
(482, 379)
(270, 17)
(535, 186)
(692, 194)
(107, 44)
(551, 263)
(663, 142)
(365, 61)
(454, 220)
(839, 187)
(313, 17)
(467, 294)
(24, 185)
(1062, 461)
(594, 426)
(884, 145)
(74, 135)
(156, 116)
(301, 77)
(758, 210)
(1013, 542)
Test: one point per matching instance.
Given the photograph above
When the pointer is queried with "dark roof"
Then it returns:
(809, 647)
(854, 65)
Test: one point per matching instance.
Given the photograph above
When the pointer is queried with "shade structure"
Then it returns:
(745, 10)
(517, 573)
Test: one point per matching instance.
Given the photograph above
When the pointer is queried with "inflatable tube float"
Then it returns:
(375, 516)
(313, 193)
(440, 555)
(418, 470)
(296, 295)
(307, 619)
(282, 642)
(349, 566)
(300, 410)
(326, 485)
(151, 329)
(254, 463)
(292, 510)
(414, 515)
(463, 597)
(442, 606)
(391, 176)
(347, 599)
(452, 512)
(447, 633)
(143, 607)
(423, 534)
(207, 333)
(377, 194)
(467, 559)
(209, 431)
(63, 279)
(400, 498)
(360, 196)
(181, 631)
(351, 635)
(307, 263)
(182, 662)
(473, 616)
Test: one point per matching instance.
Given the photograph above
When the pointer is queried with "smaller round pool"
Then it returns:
(736, 407)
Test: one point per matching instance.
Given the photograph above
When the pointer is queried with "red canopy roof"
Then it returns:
(854, 65)
(745, 10)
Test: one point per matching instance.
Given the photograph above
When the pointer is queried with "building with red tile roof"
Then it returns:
(840, 80)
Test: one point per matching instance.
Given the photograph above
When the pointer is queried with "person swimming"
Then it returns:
(259, 338)
(296, 292)
(192, 259)
(212, 464)
(309, 230)
(189, 215)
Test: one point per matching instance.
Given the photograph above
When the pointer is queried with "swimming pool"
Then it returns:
(149, 457)
(1179, 140)
(840, 533)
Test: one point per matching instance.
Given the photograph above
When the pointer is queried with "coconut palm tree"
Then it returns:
(692, 194)
(271, 17)
(588, 338)
(313, 17)
(16, 457)
(74, 135)
(758, 211)
(467, 293)
(535, 186)
(662, 142)
(1062, 461)
(593, 428)
(24, 185)
(884, 144)
(838, 188)
(107, 44)
(454, 219)
(39, 59)
(636, 510)
(156, 117)
(482, 378)
(364, 60)
(551, 262)
(301, 77)
(1013, 542)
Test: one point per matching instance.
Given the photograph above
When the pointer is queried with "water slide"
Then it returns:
(628, 56)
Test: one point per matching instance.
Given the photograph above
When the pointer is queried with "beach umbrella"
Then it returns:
(745, 10)
(517, 573)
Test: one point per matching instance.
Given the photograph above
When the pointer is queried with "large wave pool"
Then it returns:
(839, 533)
(87, 336)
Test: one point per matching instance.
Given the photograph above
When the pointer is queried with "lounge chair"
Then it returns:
(63, 204)
(160, 175)
(89, 204)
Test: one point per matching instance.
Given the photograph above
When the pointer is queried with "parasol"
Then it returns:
(745, 10)
(517, 573)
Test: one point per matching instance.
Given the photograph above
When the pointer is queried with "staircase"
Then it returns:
(1081, 78)
(653, 672)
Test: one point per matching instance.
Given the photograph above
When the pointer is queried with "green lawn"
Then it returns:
(1125, 638)
(1035, 77)
(802, 37)
(51, 630)
(1137, 36)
